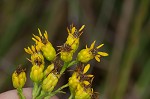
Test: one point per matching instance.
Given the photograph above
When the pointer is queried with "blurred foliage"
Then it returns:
(122, 25)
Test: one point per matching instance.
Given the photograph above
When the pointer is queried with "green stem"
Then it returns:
(67, 65)
(34, 91)
(59, 90)
(64, 67)
(42, 95)
(19, 90)
(71, 97)
(72, 63)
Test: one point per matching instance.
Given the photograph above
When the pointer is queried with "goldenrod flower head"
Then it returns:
(73, 37)
(66, 53)
(49, 82)
(79, 76)
(45, 46)
(82, 93)
(36, 73)
(83, 89)
(19, 78)
(36, 56)
(89, 53)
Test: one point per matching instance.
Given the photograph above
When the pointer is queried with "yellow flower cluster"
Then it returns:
(43, 49)
(80, 83)
(46, 78)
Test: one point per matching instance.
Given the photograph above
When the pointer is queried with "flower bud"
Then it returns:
(49, 82)
(48, 69)
(19, 78)
(82, 93)
(85, 55)
(36, 73)
(73, 82)
(48, 52)
(66, 56)
(73, 42)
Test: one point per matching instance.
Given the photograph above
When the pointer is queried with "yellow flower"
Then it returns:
(66, 53)
(19, 78)
(36, 56)
(82, 93)
(80, 83)
(73, 37)
(79, 77)
(36, 73)
(49, 82)
(45, 46)
(89, 53)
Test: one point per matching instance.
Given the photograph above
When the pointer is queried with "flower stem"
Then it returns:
(19, 90)
(67, 65)
(64, 67)
(42, 95)
(59, 90)
(72, 63)
(34, 91)
(71, 97)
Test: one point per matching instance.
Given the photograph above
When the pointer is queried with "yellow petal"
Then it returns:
(90, 75)
(34, 40)
(97, 58)
(46, 35)
(33, 48)
(92, 90)
(81, 28)
(86, 47)
(92, 45)
(68, 30)
(103, 53)
(37, 48)
(30, 50)
(86, 68)
(99, 46)
(26, 50)
(86, 82)
(39, 32)
(36, 37)
(73, 30)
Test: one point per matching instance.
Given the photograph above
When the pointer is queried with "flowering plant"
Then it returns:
(45, 78)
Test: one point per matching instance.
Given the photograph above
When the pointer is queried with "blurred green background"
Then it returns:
(122, 25)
